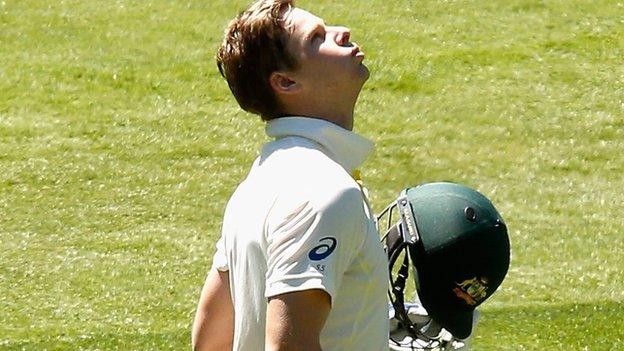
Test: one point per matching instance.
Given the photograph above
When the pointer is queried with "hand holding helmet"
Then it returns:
(458, 246)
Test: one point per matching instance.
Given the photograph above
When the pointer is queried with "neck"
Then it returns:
(336, 112)
(343, 120)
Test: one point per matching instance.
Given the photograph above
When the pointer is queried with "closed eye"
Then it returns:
(316, 33)
(319, 36)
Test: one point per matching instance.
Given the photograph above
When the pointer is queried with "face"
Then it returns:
(329, 63)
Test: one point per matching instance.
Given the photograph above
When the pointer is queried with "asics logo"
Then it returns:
(323, 250)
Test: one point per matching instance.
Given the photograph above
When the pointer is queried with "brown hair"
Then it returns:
(254, 46)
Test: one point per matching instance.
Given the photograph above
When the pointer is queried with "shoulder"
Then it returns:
(327, 204)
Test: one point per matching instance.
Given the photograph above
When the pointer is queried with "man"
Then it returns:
(299, 265)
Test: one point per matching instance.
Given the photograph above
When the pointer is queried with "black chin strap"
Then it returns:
(397, 295)
(397, 298)
(397, 290)
(399, 239)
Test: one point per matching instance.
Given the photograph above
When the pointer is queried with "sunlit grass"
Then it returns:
(120, 144)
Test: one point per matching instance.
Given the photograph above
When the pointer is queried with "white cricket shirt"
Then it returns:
(299, 221)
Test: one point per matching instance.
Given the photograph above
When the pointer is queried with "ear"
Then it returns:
(282, 83)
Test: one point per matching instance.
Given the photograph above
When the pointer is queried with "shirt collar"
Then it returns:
(343, 146)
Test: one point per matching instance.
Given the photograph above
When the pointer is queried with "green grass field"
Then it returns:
(120, 145)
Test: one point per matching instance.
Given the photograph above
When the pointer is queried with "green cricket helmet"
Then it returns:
(459, 248)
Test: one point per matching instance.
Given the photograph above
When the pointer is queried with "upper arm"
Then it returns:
(311, 242)
(294, 320)
(213, 328)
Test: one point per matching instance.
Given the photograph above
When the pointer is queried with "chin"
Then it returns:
(364, 72)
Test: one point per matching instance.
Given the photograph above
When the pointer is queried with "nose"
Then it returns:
(342, 35)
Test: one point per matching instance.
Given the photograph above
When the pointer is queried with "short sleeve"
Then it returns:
(311, 243)
(219, 260)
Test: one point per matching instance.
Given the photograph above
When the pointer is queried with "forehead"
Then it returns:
(298, 22)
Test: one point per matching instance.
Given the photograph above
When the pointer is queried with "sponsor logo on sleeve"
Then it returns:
(322, 251)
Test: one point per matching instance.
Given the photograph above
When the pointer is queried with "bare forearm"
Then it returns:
(293, 347)
(282, 338)
(295, 321)
(213, 328)
(207, 338)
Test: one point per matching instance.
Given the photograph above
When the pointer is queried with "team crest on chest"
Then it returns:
(472, 290)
